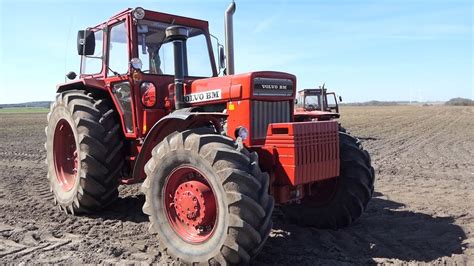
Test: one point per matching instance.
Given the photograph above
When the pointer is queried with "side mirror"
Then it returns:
(340, 98)
(85, 42)
(221, 57)
(296, 101)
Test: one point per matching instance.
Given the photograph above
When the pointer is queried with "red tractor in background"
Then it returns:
(316, 104)
(215, 152)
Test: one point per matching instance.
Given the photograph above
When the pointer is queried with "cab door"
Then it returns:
(117, 78)
(151, 83)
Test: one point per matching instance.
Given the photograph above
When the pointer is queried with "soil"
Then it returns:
(422, 210)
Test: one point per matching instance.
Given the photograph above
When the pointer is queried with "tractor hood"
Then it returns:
(268, 85)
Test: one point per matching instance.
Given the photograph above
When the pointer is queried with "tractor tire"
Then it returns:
(83, 151)
(342, 129)
(338, 202)
(207, 199)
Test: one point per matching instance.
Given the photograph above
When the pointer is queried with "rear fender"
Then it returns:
(83, 84)
(179, 120)
(97, 87)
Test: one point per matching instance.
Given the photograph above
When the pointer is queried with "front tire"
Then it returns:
(207, 199)
(338, 202)
(84, 151)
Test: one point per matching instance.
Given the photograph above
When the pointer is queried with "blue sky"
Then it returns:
(365, 50)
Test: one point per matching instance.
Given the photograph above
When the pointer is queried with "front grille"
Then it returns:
(264, 113)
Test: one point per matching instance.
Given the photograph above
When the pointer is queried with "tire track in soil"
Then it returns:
(411, 167)
(390, 140)
(434, 135)
(405, 139)
(32, 198)
(403, 144)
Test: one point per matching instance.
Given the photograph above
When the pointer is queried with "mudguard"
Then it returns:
(178, 120)
(82, 84)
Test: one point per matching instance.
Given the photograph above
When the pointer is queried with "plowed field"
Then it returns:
(422, 210)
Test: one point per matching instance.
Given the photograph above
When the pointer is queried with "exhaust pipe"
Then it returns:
(178, 35)
(322, 99)
(229, 38)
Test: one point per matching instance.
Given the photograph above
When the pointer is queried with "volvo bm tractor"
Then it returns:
(316, 104)
(216, 151)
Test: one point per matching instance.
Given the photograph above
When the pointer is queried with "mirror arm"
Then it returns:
(219, 45)
(94, 57)
(217, 40)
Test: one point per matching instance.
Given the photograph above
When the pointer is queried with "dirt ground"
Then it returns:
(422, 210)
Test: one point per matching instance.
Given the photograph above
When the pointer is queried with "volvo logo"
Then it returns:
(203, 96)
(274, 87)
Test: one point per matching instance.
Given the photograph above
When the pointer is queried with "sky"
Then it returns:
(362, 49)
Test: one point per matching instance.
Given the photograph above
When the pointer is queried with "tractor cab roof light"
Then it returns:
(138, 13)
(136, 63)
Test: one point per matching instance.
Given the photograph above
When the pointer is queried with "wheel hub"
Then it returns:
(190, 205)
(190, 201)
(65, 155)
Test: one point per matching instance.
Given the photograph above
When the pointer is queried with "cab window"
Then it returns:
(118, 50)
(157, 55)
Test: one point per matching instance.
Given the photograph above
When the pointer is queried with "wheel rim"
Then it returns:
(65, 155)
(190, 204)
(322, 192)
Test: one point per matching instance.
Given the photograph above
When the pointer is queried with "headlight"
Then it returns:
(241, 132)
(138, 13)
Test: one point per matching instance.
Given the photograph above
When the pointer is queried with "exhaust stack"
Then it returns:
(229, 38)
(178, 35)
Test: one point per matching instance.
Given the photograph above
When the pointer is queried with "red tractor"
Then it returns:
(316, 104)
(215, 152)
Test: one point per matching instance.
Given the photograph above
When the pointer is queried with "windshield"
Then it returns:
(158, 57)
(312, 102)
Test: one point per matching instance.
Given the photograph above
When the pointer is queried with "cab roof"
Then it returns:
(164, 17)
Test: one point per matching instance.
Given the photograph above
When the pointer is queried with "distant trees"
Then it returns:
(41, 104)
(460, 102)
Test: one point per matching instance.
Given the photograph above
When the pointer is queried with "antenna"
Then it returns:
(67, 47)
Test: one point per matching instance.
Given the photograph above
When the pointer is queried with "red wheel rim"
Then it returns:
(190, 204)
(65, 155)
(322, 192)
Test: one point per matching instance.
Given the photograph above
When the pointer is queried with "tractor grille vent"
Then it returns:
(264, 113)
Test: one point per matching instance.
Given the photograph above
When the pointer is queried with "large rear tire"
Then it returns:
(338, 202)
(84, 151)
(207, 199)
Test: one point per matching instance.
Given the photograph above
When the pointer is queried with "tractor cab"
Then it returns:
(131, 56)
(316, 104)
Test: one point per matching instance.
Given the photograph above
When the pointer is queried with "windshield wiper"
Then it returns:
(114, 72)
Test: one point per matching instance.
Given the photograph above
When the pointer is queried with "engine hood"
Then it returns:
(253, 85)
